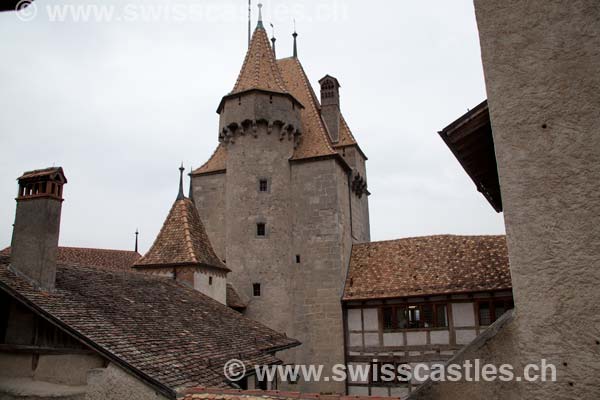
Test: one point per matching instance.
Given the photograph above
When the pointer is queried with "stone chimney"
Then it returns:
(330, 105)
(37, 225)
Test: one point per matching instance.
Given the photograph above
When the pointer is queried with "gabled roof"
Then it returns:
(259, 70)
(53, 173)
(427, 265)
(182, 240)
(165, 333)
(116, 260)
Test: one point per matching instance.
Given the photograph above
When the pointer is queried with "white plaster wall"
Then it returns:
(440, 337)
(371, 319)
(358, 390)
(218, 289)
(393, 339)
(463, 314)
(354, 319)
(465, 336)
(416, 338)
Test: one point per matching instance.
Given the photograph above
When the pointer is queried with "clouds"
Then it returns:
(120, 104)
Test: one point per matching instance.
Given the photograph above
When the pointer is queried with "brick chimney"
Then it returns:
(37, 225)
(330, 105)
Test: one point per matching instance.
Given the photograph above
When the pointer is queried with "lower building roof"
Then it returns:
(163, 332)
(428, 265)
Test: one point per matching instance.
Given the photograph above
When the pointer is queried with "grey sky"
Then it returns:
(120, 104)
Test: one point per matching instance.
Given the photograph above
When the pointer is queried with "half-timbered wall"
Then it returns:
(372, 336)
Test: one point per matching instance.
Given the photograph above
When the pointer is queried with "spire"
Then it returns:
(273, 40)
(260, 21)
(249, 21)
(137, 232)
(295, 35)
(259, 70)
(180, 196)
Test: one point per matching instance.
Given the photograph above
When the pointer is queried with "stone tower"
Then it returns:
(283, 198)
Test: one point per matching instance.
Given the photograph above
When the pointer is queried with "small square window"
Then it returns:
(263, 185)
(210, 280)
(256, 289)
(261, 229)
(297, 258)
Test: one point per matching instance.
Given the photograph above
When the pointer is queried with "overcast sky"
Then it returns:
(120, 102)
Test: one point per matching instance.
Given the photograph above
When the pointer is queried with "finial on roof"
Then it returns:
(295, 35)
(260, 21)
(273, 40)
(249, 22)
(180, 196)
(137, 232)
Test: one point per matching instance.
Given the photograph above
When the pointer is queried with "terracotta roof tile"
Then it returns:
(426, 266)
(346, 137)
(42, 173)
(233, 298)
(315, 140)
(116, 260)
(216, 163)
(182, 240)
(259, 70)
(173, 334)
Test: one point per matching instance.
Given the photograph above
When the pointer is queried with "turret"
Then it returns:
(259, 98)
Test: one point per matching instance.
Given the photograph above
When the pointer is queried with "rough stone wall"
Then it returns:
(208, 192)
(361, 229)
(35, 240)
(253, 259)
(541, 60)
(114, 383)
(543, 83)
(318, 225)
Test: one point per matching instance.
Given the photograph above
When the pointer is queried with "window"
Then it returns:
(210, 280)
(256, 289)
(415, 316)
(297, 258)
(263, 185)
(261, 229)
(490, 310)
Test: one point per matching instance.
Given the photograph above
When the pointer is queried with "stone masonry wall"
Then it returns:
(208, 192)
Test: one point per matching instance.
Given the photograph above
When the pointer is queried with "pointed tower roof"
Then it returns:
(259, 70)
(182, 240)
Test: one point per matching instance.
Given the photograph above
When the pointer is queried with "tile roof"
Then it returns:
(116, 260)
(346, 137)
(202, 393)
(233, 298)
(315, 139)
(182, 240)
(216, 163)
(38, 173)
(259, 70)
(426, 266)
(169, 334)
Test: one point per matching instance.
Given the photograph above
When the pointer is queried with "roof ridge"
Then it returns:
(429, 236)
(187, 233)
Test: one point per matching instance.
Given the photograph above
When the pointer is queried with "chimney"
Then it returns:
(37, 225)
(330, 106)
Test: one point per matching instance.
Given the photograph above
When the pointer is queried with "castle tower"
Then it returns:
(182, 251)
(278, 206)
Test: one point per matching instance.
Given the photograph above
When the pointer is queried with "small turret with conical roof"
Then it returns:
(182, 250)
